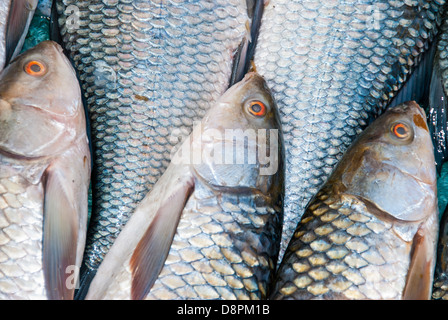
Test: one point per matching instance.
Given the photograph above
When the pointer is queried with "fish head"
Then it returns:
(391, 164)
(240, 139)
(40, 103)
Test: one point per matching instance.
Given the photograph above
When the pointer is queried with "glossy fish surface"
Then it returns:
(44, 176)
(211, 226)
(371, 230)
(333, 65)
(15, 19)
(148, 69)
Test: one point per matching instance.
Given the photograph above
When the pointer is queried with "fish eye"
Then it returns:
(35, 68)
(401, 130)
(257, 108)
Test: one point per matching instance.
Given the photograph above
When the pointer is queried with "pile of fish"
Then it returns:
(231, 149)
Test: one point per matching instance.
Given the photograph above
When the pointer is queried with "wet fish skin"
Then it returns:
(332, 67)
(147, 68)
(15, 19)
(440, 289)
(227, 240)
(44, 176)
(371, 230)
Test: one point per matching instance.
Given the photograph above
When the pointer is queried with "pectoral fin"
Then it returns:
(60, 235)
(150, 254)
(420, 274)
(66, 183)
(19, 19)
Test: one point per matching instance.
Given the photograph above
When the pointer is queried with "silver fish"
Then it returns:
(211, 227)
(44, 176)
(440, 288)
(371, 230)
(15, 19)
(149, 69)
(332, 65)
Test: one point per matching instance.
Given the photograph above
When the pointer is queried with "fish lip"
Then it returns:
(54, 115)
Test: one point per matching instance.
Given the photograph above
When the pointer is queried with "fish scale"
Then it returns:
(335, 244)
(208, 229)
(371, 230)
(223, 249)
(333, 65)
(44, 176)
(21, 274)
(147, 68)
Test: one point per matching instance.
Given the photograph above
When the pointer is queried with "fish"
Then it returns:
(333, 68)
(210, 228)
(440, 287)
(15, 19)
(44, 176)
(148, 70)
(371, 230)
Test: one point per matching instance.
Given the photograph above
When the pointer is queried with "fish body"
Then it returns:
(332, 67)
(15, 19)
(371, 230)
(148, 69)
(44, 176)
(440, 289)
(226, 241)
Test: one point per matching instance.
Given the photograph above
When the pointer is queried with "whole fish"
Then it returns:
(333, 65)
(44, 176)
(149, 69)
(211, 225)
(440, 289)
(15, 19)
(371, 230)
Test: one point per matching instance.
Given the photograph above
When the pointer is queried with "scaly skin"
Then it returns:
(332, 66)
(371, 230)
(149, 69)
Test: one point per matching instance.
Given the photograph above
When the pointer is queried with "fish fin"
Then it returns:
(437, 122)
(85, 279)
(60, 234)
(150, 254)
(246, 50)
(239, 61)
(19, 20)
(419, 278)
(55, 34)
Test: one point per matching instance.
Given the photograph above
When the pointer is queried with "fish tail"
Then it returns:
(86, 277)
